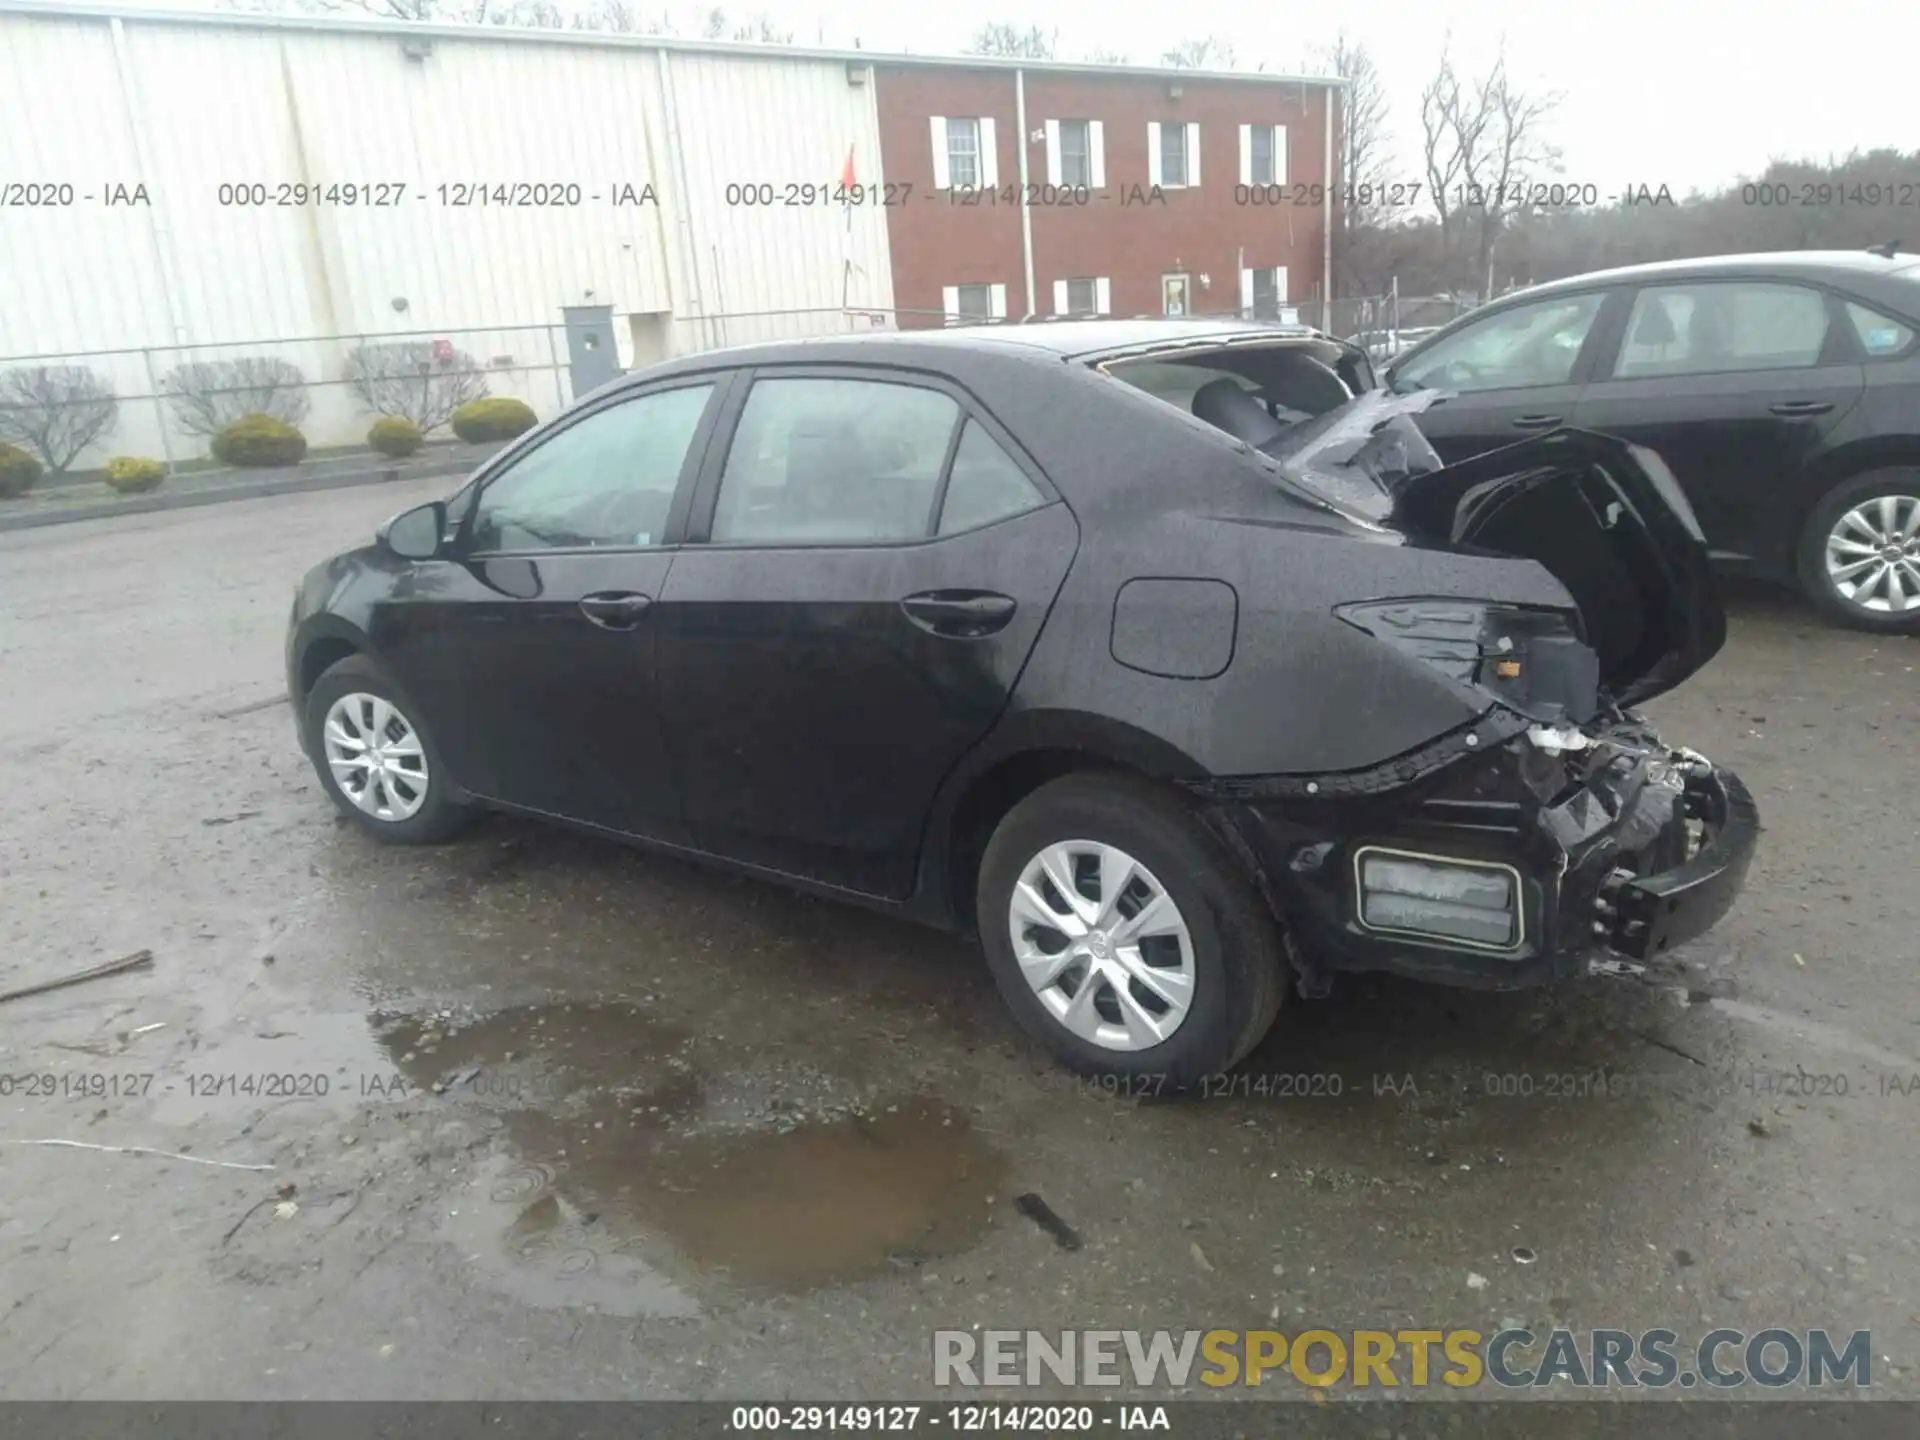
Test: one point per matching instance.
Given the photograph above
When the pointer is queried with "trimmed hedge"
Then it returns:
(130, 474)
(259, 440)
(18, 471)
(395, 436)
(498, 417)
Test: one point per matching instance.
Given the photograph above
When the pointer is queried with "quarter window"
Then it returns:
(607, 479)
(1878, 334)
(985, 486)
(1701, 329)
(1533, 344)
(819, 460)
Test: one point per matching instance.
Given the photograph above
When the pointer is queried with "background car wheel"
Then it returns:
(1860, 554)
(1123, 935)
(376, 760)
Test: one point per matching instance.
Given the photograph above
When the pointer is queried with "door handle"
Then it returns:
(1801, 407)
(1535, 422)
(959, 614)
(615, 609)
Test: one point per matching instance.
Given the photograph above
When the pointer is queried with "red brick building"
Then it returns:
(1146, 191)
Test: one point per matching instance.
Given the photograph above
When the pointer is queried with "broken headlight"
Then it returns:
(1438, 897)
(1534, 661)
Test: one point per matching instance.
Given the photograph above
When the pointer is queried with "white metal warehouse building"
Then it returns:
(202, 116)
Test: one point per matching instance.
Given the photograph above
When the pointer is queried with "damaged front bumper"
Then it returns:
(1502, 856)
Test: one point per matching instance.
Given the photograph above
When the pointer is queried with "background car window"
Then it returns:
(825, 460)
(1528, 345)
(607, 479)
(986, 484)
(1878, 334)
(1697, 329)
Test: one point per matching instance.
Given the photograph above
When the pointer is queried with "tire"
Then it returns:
(437, 815)
(1232, 959)
(1830, 522)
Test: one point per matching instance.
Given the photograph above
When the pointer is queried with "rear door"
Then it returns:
(1737, 384)
(1515, 372)
(870, 560)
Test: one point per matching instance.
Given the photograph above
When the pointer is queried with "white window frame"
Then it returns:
(1156, 171)
(1102, 295)
(1280, 167)
(989, 153)
(1181, 275)
(1096, 154)
(950, 303)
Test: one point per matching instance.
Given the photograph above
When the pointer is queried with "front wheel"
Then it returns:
(375, 760)
(1123, 935)
(1860, 553)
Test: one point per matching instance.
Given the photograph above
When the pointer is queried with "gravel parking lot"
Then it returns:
(567, 1120)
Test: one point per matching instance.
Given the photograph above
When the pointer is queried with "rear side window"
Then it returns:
(818, 460)
(986, 484)
(1879, 335)
(1702, 329)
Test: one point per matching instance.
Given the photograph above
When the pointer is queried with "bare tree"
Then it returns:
(619, 17)
(1484, 145)
(57, 410)
(208, 396)
(1212, 53)
(1000, 38)
(1102, 55)
(409, 378)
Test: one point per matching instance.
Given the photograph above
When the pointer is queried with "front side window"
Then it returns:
(820, 460)
(1533, 344)
(607, 479)
(963, 153)
(1701, 329)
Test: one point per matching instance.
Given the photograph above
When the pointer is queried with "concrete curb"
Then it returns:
(214, 495)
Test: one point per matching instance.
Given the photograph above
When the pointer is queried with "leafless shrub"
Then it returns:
(208, 396)
(57, 410)
(414, 379)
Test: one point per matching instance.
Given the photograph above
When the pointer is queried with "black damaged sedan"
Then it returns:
(1165, 657)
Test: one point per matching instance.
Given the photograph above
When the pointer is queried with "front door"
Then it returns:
(531, 650)
(1174, 295)
(878, 563)
(1736, 384)
(1513, 373)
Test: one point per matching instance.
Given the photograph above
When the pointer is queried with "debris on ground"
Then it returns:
(1476, 1281)
(138, 960)
(1042, 1214)
(1199, 1256)
(1758, 1127)
(229, 819)
(139, 1150)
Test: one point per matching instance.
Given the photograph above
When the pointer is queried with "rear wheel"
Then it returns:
(1123, 935)
(375, 759)
(1860, 555)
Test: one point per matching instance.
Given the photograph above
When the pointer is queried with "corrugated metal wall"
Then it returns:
(184, 109)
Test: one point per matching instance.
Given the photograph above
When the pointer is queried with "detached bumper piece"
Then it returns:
(1644, 915)
(1497, 865)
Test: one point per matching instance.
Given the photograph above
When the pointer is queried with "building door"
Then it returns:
(1173, 295)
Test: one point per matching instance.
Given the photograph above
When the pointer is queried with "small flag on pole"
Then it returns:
(846, 174)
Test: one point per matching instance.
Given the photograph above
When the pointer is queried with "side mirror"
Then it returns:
(416, 534)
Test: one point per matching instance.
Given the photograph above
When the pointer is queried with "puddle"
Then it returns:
(633, 1161)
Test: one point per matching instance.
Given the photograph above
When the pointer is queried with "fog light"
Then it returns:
(1461, 902)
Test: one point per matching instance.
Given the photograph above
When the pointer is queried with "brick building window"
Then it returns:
(963, 152)
(970, 304)
(1263, 155)
(1173, 155)
(1082, 297)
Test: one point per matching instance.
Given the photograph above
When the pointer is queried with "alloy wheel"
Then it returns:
(1103, 945)
(1873, 555)
(376, 756)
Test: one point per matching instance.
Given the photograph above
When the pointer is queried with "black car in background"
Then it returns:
(1782, 390)
(1152, 653)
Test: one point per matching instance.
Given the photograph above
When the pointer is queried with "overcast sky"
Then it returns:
(1654, 91)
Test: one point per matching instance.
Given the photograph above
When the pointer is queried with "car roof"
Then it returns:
(1075, 339)
(1835, 265)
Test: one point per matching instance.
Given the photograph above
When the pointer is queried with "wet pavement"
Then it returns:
(547, 1117)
